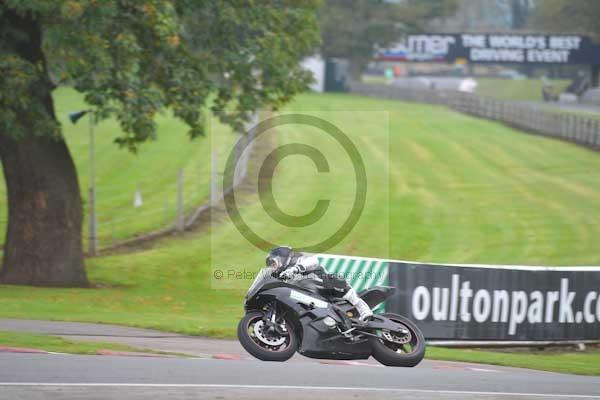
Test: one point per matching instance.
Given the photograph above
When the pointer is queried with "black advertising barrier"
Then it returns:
(460, 302)
(494, 48)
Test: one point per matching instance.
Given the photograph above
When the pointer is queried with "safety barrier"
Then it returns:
(484, 302)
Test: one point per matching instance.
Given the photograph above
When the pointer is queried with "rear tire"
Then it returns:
(260, 350)
(385, 354)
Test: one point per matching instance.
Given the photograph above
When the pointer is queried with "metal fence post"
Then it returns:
(239, 163)
(92, 245)
(587, 132)
(558, 125)
(571, 130)
(92, 222)
(214, 179)
(180, 223)
(166, 212)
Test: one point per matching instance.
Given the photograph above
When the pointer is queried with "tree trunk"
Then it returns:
(356, 69)
(43, 238)
(43, 241)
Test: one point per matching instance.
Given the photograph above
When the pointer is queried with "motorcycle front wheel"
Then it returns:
(264, 344)
(396, 349)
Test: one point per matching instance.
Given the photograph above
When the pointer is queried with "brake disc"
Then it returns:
(391, 337)
(259, 331)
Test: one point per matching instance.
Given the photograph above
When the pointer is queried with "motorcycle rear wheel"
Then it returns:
(393, 354)
(258, 346)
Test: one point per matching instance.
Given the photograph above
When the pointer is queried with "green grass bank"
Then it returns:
(442, 187)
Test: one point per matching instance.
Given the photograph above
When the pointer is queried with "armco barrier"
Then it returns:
(484, 302)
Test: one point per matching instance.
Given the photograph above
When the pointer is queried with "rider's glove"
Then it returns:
(289, 273)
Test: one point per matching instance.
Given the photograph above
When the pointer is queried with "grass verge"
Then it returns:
(581, 363)
(60, 345)
(515, 89)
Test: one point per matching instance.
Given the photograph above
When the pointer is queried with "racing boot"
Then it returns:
(361, 306)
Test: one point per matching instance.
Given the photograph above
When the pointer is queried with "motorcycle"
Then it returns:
(288, 316)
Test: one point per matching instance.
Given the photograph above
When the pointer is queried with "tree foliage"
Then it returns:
(133, 58)
(576, 16)
(354, 29)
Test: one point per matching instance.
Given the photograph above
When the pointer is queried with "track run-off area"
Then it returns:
(54, 376)
(222, 369)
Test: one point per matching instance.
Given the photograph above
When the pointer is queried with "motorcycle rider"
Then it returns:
(290, 264)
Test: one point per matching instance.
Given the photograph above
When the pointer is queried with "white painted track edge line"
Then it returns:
(292, 387)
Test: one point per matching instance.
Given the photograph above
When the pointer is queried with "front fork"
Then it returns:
(270, 320)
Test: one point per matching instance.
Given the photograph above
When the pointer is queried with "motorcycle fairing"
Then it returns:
(317, 339)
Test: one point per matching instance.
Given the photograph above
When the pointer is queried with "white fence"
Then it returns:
(579, 129)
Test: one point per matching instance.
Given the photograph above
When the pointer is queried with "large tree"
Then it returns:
(131, 58)
(577, 16)
(353, 29)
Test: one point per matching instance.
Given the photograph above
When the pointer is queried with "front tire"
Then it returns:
(262, 347)
(393, 354)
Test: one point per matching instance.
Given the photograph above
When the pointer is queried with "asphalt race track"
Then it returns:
(222, 370)
(59, 376)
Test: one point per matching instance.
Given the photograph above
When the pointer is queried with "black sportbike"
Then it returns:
(283, 317)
